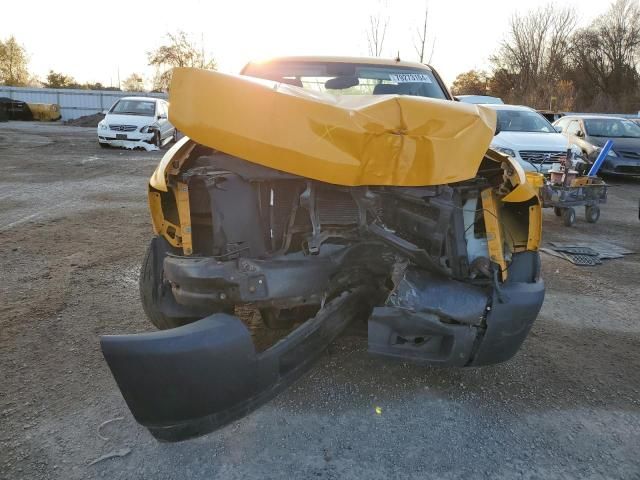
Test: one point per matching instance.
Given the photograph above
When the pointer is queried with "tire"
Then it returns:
(557, 211)
(157, 141)
(103, 145)
(174, 137)
(152, 288)
(592, 213)
(568, 216)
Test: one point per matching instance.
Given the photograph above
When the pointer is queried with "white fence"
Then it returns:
(73, 103)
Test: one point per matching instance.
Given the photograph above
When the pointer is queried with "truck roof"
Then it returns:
(358, 60)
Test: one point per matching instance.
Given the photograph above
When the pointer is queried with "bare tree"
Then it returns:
(376, 33)
(605, 57)
(179, 52)
(421, 41)
(536, 51)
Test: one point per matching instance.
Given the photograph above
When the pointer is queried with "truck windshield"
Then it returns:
(351, 78)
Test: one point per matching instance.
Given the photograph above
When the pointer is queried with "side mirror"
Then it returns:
(104, 112)
(497, 129)
(580, 134)
(558, 128)
(162, 116)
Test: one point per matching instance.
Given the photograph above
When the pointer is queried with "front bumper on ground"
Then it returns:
(191, 380)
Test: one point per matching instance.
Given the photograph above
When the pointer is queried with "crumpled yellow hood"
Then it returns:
(344, 140)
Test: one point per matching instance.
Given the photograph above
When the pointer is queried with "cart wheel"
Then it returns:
(592, 213)
(569, 216)
(557, 211)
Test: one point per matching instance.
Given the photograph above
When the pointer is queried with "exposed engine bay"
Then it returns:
(254, 217)
(443, 275)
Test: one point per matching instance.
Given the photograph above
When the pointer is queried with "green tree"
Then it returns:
(59, 80)
(503, 84)
(180, 51)
(13, 63)
(97, 86)
(133, 83)
(473, 82)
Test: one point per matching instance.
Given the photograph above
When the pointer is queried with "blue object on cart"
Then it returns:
(600, 160)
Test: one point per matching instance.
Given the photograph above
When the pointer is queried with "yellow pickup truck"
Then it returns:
(323, 192)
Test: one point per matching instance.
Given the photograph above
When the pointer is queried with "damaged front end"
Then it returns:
(441, 273)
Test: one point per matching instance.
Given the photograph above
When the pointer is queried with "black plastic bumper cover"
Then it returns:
(437, 321)
(509, 322)
(191, 380)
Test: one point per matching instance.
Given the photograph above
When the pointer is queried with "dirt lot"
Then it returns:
(73, 228)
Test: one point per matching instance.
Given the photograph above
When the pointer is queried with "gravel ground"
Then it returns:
(73, 229)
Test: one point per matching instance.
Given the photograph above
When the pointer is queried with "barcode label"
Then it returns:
(409, 78)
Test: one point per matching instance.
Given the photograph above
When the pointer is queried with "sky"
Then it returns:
(104, 41)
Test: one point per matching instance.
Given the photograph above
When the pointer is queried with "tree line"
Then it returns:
(178, 50)
(547, 61)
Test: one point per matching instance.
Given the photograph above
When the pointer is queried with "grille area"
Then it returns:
(122, 128)
(336, 208)
(630, 169)
(627, 154)
(542, 157)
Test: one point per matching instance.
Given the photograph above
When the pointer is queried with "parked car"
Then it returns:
(479, 99)
(591, 132)
(132, 120)
(320, 193)
(551, 115)
(524, 134)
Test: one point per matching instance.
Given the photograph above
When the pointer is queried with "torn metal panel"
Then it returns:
(343, 140)
(495, 240)
(449, 300)
(171, 163)
(131, 145)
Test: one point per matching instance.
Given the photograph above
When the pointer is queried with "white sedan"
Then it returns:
(525, 135)
(137, 122)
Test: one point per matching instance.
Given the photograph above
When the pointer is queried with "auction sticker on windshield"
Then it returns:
(409, 78)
